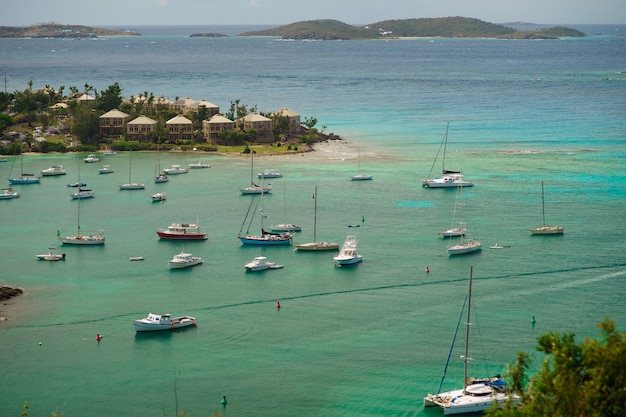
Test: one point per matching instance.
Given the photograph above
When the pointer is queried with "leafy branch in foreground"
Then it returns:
(586, 379)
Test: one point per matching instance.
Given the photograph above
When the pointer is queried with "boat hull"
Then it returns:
(132, 186)
(548, 230)
(175, 323)
(181, 236)
(181, 265)
(265, 240)
(83, 240)
(362, 177)
(459, 402)
(255, 190)
(317, 246)
(286, 228)
(348, 261)
(464, 248)
(446, 183)
(25, 180)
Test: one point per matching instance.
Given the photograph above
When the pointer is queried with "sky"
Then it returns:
(280, 12)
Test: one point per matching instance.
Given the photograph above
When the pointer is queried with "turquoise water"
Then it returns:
(365, 341)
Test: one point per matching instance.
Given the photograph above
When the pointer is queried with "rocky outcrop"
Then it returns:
(6, 293)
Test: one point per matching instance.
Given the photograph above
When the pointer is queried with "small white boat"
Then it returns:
(175, 169)
(53, 170)
(184, 260)
(159, 197)
(454, 231)
(448, 179)
(286, 227)
(77, 184)
(260, 263)
(132, 186)
(361, 177)
(161, 178)
(91, 158)
(270, 174)
(465, 246)
(136, 258)
(8, 193)
(51, 256)
(106, 170)
(82, 193)
(155, 322)
(199, 165)
(182, 231)
(348, 254)
(546, 229)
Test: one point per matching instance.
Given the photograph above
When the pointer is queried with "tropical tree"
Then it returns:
(586, 379)
(110, 99)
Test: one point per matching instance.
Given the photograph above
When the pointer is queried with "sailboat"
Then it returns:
(80, 239)
(360, 176)
(265, 238)
(285, 227)
(545, 229)
(255, 188)
(131, 185)
(448, 179)
(458, 228)
(476, 395)
(465, 245)
(23, 178)
(315, 245)
(159, 176)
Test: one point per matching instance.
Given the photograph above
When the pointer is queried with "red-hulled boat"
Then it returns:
(182, 231)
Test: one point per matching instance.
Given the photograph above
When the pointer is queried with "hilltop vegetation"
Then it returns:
(55, 30)
(447, 27)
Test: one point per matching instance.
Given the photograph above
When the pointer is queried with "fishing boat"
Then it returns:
(546, 229)
(53, 171)
(360, 176)
(260, 263)
(105, 170)
(51, 256)
(8, 194)
(79, 238)
(184, 260)
(182, 231)
(130, 185)
(175, 170)
(156, 197)
(315, 245)
(265, 237)
(348, 255)
(255, 188)
(156, 322)
(91, 159)
(285, 226)
(23, 178)
(199, 165)
(477, 395)
(448, 179)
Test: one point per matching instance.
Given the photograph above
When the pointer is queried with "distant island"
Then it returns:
(442, 27)
(56, 30)
(207, 35)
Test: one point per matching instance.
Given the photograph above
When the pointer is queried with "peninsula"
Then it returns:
(56, 30)
(443, 27)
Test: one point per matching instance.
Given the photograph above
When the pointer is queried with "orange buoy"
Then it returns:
(98, 337)
(427, 270)
(277, 304)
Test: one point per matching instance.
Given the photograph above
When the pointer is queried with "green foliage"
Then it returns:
(47, 147)
(5, 121)
(110, 99)
(587, 379)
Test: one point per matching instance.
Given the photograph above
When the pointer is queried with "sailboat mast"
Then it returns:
(315, 215)
(543, 206)
(466, 358)
(445, 145)
(78, 209)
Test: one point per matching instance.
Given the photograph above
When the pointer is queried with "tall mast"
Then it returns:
(315, 215)
(543, 206)
(466, 358)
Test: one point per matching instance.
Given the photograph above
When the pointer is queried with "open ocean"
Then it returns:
(370, 340)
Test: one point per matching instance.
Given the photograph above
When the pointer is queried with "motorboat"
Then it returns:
(51, 256)
(106, 170)
(348, 254)
(270, 174)
(199, 165)
(77, 184)
(8, 193)
(477, 395)
(182, 231)
(159, 197)
(156, 322)
(464, 247)
(175, 169)
(53, 170)
(184, 260)
(82, 193)
(91, 159)
(286, 227)
(260, 263)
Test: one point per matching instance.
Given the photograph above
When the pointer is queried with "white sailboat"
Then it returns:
(546, 229)
(464, 246)
(458, 228)
(360, 176)
(131, 185)
(476, 395)
(159, 176)
(255, 188)
(78, 238)
(448, 179)
(315, 245)
(284, 226)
